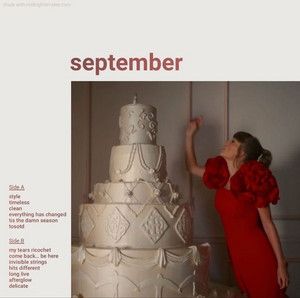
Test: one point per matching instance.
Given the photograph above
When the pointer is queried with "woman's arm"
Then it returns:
(271, 231)
(191, 161)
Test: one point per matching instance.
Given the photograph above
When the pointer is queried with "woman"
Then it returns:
(245, 187)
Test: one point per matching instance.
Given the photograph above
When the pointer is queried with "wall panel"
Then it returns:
(80, 149)
(271, 112)
(210, 100)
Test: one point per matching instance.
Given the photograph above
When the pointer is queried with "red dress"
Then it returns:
(251, 187)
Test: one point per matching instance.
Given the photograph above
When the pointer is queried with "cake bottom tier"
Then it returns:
(115, 272)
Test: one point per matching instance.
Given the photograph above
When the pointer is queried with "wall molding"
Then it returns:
(90, 139)
(286, 217)
(226, 111)
(192, 201)
(75, 240)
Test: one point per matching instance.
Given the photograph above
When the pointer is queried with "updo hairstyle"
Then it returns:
(252, 148)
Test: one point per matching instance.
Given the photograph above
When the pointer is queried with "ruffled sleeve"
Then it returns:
(255, 183)
(216, 173)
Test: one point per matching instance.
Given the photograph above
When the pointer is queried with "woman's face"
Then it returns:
(231, 149)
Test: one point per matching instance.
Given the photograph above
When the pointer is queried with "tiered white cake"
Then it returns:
(136, 236)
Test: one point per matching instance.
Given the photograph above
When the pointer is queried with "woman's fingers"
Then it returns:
(200, 118)
(286, 282)
(280, 282)
(283, 281)
(197, 121)
(193, 125)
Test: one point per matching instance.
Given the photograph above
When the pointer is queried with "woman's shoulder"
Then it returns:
(216, 174)
(255, 182)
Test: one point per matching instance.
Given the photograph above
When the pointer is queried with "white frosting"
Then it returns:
(136, 234)
(138, 124)
(139, 192)
(137, 162)
(135, 225)
(139, 273)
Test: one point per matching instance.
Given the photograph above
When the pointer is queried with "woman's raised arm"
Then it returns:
(191, 161)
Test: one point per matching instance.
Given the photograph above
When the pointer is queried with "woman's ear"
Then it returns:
(240, 158)
(242, 155)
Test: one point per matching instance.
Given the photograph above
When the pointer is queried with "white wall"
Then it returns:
(271, 111)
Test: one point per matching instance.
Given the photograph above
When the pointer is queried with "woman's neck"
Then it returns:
(232, 168)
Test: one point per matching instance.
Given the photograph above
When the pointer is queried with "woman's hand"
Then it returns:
(271, 231)
(282, 275)
(193, 126)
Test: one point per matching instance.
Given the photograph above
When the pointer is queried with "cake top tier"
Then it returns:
(137, 124)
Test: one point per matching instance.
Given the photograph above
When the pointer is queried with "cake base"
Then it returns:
(179, 272)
